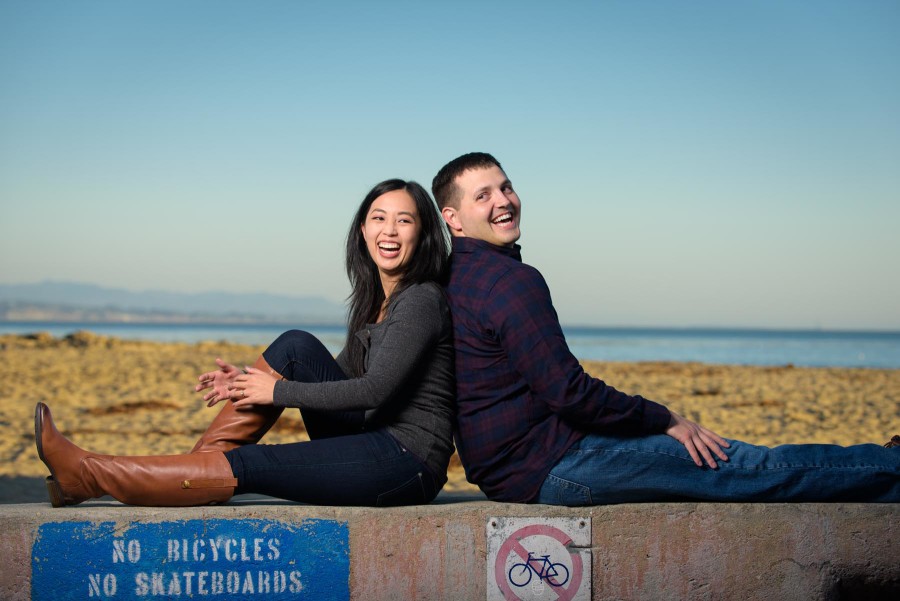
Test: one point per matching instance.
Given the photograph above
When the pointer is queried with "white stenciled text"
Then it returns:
(191, 580)
(223, 549)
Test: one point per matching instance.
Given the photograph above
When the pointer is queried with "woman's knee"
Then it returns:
(294, 339)
(298, 355)
(293, 344)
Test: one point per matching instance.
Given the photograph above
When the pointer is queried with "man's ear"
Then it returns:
(450, 216)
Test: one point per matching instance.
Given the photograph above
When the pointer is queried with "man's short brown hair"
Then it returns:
(443, 187)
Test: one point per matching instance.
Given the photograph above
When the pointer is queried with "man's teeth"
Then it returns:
(506, 217)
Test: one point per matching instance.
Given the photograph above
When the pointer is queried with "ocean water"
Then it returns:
(718, 346)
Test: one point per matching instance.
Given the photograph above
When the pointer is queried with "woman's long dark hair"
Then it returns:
(428, 262)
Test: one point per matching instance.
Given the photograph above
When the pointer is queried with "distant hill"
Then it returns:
(70, 301)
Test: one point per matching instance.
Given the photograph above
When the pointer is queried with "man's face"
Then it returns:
(489, 209)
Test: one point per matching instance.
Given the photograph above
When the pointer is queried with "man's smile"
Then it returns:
(503, 219)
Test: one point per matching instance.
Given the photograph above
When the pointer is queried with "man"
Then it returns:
(534, 427)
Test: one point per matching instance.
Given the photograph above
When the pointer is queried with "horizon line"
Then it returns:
(570, 326)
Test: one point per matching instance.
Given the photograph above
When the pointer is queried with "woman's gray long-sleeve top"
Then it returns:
(408, 386)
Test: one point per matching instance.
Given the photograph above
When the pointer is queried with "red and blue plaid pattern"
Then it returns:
(522, 398)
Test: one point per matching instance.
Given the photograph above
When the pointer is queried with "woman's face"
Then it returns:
(391, 231)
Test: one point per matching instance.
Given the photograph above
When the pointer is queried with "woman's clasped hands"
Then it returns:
(245, 388)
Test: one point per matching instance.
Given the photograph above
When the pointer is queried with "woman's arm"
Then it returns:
(411, 330)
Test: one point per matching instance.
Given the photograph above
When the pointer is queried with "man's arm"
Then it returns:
(533, 340)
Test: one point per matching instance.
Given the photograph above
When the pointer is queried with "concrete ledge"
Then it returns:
(443, 551)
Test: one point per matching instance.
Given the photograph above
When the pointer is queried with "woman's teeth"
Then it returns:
(389, 246)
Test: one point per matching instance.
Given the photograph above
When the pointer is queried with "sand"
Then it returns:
(136, 397)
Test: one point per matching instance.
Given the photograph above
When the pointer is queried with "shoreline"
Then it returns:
(131, 397)
(713, 346)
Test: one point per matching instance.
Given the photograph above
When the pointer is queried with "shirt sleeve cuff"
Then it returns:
(278, 395)
(656, 417)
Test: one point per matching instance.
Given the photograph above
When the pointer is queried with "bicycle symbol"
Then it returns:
(556, 574)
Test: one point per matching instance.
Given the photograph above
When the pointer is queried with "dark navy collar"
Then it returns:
(468, 245)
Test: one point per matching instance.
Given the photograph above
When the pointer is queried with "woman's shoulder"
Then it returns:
(427, 295)
(425, 289)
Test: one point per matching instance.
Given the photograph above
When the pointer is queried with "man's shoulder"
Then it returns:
(487, 263)
(495, 275)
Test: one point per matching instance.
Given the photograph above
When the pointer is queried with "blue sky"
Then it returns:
(679, 163)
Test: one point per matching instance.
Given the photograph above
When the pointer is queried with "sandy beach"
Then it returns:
(136, 397)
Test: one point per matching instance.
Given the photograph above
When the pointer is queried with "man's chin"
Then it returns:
(509, 237)
(497, 238)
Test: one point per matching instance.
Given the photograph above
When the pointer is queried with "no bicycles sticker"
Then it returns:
(539, 558)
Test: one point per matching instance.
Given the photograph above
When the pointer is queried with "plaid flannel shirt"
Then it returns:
(523, 399)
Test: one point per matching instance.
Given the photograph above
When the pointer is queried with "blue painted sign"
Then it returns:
(194, 559)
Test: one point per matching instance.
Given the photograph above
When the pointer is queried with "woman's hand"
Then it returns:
(254, 387)
(697, 440)
(219, 380)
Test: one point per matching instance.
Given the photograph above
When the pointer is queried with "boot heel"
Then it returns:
(57, 499)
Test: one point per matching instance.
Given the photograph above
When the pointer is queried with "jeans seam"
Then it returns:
(578, 488)
(736, 466)
(282, 465)
(416, 478)
(304, 364)
(633, 451)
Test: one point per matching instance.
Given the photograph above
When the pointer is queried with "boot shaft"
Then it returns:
(232, 428)
(165, 481)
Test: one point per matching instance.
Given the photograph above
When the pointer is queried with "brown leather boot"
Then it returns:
(232, 428)
(77, 475)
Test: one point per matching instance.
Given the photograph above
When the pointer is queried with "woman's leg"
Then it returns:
(77, 475)
(370, 469)
(605, 469)
(301, 357)
(295, 355)
(232, 428)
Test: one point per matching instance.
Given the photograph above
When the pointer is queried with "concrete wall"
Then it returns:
(449, 550)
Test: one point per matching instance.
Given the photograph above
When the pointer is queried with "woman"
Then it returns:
(379, 415)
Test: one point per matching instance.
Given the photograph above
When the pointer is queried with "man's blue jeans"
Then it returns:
(599, 470)
(344, 463)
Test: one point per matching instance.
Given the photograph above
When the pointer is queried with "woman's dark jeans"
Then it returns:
(342, 464)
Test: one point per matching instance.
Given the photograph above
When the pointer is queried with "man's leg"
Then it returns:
(605, 469)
